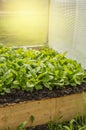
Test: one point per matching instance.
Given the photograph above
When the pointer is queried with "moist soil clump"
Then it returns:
(17, 96)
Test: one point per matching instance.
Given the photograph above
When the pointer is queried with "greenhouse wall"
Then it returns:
(68, 28)
(24, 22)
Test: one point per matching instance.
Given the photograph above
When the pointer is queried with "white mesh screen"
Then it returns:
(68, 28)
(62, 20)
(80, 27)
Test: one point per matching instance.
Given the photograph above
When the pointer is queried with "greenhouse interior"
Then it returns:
(42, 65)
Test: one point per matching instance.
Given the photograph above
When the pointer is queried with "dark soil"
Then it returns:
(41, 127)
(17, 96)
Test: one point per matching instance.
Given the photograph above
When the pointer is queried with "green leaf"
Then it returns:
(67, 128)
(82, 128)
(29, 85)
(32, 118)
(47, 85)
(22, 126)
(6, 90)
(38, 87)
(16, 82)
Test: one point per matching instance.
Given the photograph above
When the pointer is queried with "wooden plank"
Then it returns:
(69, 106)
(43, 111)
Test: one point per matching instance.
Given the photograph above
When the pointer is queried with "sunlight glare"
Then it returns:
(28, 18)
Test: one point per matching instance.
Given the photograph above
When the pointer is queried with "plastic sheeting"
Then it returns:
(68, 28)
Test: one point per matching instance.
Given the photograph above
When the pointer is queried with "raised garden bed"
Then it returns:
(43, 111)
(42, 84)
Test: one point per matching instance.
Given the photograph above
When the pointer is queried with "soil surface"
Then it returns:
(17, 96)
(41, 127)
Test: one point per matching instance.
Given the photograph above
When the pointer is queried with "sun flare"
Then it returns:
(27, 19)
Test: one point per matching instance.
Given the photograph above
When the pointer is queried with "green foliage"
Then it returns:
(9, 128)
(32, 118)
(79, 123)
(22, 126)
(34, 69)
(71, 125)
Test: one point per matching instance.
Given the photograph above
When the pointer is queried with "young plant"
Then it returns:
(22, 126)
(30, 70)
